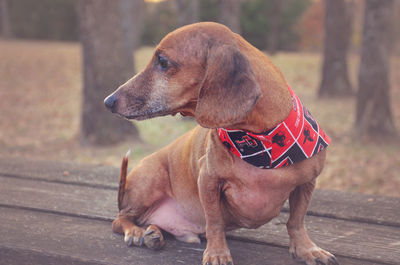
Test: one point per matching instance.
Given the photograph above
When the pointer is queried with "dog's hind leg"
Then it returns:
(301, 245)
(124, 223)
(153, 237)
(137, 195)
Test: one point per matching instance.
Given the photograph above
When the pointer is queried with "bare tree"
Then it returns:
(273, 36)
(132, 20)
(5, 19)
(107, 63)
(335, 79)
(373, 115)
(229, 14)
(188, 11)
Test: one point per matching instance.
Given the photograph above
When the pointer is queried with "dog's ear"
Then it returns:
(229, 90)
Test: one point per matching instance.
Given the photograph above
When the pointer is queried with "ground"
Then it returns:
(40, 92)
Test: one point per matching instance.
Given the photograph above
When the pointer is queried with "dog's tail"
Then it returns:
(122, 178)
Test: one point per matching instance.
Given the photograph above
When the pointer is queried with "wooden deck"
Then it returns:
(61, 213)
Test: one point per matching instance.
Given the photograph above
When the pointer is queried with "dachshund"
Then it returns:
(231, 171)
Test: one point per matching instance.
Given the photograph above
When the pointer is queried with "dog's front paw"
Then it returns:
(217, 257)
(153, 237)
(313, 255)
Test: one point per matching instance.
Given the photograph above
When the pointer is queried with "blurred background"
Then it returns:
(60, 58)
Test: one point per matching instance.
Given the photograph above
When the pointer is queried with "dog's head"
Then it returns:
(197, 70)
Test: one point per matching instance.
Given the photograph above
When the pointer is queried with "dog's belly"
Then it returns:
(170, 216)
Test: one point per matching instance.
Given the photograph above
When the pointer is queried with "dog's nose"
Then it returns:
(110, 102)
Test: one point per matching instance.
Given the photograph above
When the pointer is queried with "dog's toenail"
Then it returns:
(149, 232)
(130, 242)
(208, 263)
(333, 261)
(141, 241)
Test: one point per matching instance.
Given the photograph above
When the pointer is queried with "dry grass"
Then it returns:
(40, 88)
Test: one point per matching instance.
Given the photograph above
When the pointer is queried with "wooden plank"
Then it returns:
(17, 256)
(376, 243)
(30, 237)
(373, 209)
(336, 204)
(95, 203)
(61, 172)
(352, 206)
(345, 238)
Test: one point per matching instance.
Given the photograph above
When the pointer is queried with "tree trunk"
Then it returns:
(335, 79)
(132, 22)
(229, 14)
(107, 63)
(273, 36)
(5, 20)
(373, 115)
(188, 12)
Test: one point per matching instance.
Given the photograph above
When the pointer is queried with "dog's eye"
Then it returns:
(162, 62)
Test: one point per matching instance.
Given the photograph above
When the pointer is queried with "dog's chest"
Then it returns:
(254, 196)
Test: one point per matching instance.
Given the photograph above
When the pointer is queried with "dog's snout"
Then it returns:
(110, 102)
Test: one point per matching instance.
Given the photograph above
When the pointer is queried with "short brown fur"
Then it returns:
(195, 185)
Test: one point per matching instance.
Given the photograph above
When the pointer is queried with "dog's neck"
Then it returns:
(270, 110)
(272, 107)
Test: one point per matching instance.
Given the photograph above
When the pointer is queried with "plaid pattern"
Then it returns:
(295, 139)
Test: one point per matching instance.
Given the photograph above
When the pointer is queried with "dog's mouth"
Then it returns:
(147, 115)
(147, 110)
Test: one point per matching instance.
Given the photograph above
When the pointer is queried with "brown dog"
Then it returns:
(196, 185)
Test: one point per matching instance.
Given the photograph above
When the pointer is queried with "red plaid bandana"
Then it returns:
(295, 139)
